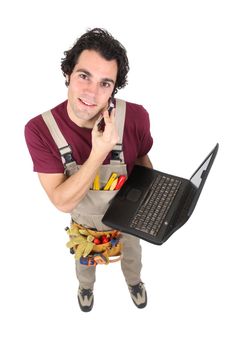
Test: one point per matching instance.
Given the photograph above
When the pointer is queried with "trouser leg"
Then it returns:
(85, 275)
(131, 264)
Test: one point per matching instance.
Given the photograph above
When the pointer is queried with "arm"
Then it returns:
(65, 193)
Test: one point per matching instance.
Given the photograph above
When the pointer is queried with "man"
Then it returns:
(94, 69)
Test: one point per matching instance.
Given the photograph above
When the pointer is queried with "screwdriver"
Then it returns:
(96, 184)
(110, 181)
(120, 182)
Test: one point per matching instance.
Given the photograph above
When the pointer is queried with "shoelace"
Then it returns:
(137, 289)
(86, 292)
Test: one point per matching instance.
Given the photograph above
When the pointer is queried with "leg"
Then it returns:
(131, 266)
(131, 259)
(85, 275)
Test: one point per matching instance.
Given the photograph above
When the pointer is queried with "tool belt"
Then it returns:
(92, 247)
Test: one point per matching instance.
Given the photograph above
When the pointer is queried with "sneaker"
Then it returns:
(85, 299)
(138, 295)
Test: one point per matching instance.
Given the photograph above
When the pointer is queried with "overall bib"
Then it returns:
(89, 212)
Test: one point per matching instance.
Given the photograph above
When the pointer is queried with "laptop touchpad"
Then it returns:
(133, 195)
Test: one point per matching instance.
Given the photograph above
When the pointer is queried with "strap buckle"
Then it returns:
(116, 152)
(66, 154)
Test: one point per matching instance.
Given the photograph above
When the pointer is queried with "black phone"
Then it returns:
(110, 106)
(101, 124)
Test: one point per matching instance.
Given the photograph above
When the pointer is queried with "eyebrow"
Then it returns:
(107, 80)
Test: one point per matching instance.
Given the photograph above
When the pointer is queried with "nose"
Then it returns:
(92, 88)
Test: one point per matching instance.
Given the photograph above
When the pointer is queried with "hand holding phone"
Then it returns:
(105, 132)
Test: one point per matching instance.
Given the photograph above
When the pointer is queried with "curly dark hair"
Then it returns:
(109, 48)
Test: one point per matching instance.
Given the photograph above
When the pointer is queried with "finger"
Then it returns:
(109, 118)
(98, 122)
(112, 113)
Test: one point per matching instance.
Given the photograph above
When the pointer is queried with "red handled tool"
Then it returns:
(120, 182)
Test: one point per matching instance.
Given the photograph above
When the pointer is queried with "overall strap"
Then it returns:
(118, 152)
(63, 147)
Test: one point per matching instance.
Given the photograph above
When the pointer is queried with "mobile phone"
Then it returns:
(110, 106)
(101, 124)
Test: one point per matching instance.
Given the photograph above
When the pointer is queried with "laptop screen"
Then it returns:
(200, 175)
(203, 170)
(200, 172)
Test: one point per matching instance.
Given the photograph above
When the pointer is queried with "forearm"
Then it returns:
(68, 194)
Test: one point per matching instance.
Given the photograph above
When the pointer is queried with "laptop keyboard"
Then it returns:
(150, 215)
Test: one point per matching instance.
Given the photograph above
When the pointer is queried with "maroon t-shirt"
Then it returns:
(137, 140)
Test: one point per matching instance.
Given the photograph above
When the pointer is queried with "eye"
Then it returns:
(83, 76)
(105, 84)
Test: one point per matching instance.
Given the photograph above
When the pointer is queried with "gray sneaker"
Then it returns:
(138, 295)
(85, 299)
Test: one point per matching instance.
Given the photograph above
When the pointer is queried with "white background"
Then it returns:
(181, 58)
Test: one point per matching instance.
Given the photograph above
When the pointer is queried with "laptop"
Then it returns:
(152, 204)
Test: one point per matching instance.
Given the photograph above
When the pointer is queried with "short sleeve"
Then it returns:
(146, 140)
(43, 150)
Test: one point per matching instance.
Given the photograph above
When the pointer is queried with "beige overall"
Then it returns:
(89, 212)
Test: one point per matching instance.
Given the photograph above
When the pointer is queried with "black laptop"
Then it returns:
(152, 205)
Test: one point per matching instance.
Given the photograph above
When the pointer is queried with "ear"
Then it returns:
(67, 79)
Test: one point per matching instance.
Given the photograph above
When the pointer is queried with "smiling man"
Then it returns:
(70, 152)
(91, 84)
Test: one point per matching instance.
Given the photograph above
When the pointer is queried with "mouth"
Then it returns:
(87, 103)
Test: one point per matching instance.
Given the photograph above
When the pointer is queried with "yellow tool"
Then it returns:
(96, 184)
(113, 185)
(110, 181)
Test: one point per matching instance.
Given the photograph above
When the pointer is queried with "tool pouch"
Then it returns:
(92, 247)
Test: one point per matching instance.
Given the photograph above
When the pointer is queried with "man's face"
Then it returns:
(90, 87)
